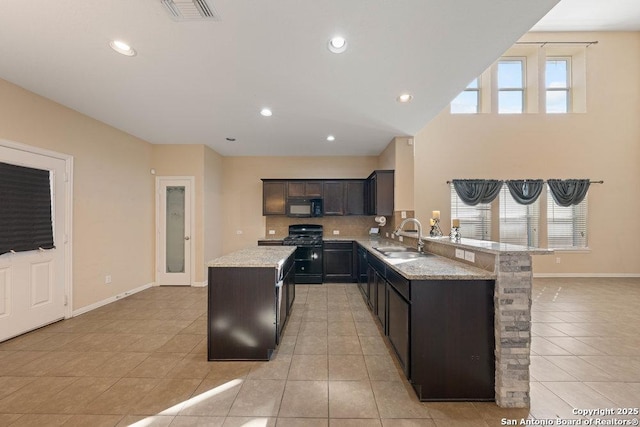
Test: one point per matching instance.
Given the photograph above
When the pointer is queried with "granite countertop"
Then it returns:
(488, 246)
(259, 256)
(432, 267)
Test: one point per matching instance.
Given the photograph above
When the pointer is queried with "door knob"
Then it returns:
(186, 237)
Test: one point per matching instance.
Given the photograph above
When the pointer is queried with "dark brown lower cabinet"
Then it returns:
(398, 326)
(338, 261)
(441, 331)
(452, 340)
(381, 301)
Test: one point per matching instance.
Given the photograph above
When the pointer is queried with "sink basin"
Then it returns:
(400, 252)
(404, 255)
(395, 249)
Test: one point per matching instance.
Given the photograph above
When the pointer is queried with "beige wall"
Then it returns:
(213, 207)
(243, 188)
(113, 191)
(205, 165)
(601, 144)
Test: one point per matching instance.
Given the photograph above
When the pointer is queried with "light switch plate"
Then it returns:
(459, 253)
(272, 231)
(336, 232)
(469, 256)
(403, 214)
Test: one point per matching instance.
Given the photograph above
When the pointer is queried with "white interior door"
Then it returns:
(174, 221)
(33, 283)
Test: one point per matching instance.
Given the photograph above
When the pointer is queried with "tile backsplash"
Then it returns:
(346, 225)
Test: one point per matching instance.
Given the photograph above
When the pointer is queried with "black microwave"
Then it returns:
(304, 208)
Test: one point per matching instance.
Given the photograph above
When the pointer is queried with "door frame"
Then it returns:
(192, 220)
(68, 219)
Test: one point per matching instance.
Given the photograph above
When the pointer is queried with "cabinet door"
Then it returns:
(338, 261)
(380, 193)
(354, 197)
(312, 189)
(295, 188)
(398, 326)
(381, 288)
(371, 287)
(334, 197)
(273, 198)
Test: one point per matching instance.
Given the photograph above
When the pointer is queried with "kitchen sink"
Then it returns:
(405, 255)
(400, 252)
(395, 249)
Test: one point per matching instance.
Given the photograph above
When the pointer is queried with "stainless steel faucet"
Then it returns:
(414, 220)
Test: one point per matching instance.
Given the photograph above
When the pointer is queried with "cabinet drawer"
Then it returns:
(399, 283)
(338, 244)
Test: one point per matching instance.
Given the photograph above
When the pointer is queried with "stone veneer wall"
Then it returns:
(512, 323)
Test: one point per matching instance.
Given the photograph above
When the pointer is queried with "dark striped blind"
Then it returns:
(25, 209)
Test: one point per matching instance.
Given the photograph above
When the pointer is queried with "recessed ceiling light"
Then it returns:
(122, 47)
(331, 138)
(266, 112)
(337, 44)
(405, 97)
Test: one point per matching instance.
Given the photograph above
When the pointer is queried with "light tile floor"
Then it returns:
(142, 361)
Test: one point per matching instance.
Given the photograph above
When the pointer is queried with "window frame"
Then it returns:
(482, 221)
(578, 220)
(532, 219)
(523, 89)
(566, 89)
(478, 92)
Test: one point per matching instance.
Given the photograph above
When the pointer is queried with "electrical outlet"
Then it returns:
(557, 260)
(459, 253)
(386, 234)
(238, 232)
(336, 232)
(107, 279)
(272, 231)
(469, 256)
(400, 238)
(403, 214)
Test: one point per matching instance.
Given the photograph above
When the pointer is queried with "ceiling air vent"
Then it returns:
(190, 10)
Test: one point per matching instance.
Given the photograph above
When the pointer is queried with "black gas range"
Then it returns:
(308, 256)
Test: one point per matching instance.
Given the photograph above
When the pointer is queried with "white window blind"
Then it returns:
(475, 221)
(566, 226)
(519, 224)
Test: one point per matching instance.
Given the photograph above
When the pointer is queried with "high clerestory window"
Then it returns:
(558, 85)
(511, 86)
(468, 101)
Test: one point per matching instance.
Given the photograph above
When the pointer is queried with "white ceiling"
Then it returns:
(201, 82)
(592, 15)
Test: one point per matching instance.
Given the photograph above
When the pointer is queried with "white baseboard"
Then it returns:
(200, 284)
(109, 300)
(585, 275)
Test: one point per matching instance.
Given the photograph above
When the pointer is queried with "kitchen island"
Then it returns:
(249, 299)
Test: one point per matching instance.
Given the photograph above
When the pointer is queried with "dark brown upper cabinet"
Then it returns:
(274, 197)
(334, 192)
(305, 189)
(380, 193)
(354, 197)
